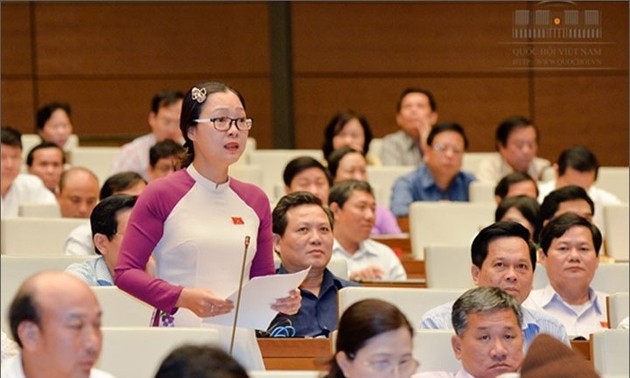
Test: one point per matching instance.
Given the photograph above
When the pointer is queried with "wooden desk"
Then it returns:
(583, 348)
(295, 354)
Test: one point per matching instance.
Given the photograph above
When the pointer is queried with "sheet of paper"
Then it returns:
(257, 296)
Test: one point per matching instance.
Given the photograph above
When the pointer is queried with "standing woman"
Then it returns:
(198, 222)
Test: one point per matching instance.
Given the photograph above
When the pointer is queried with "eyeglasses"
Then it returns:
(386, 368)
(442, 148)
(224, 123)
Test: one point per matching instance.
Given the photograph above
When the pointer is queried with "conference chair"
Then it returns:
(614, 180)
(432, 348)
(434, 223)
(617, 308)
(121, 309)
(448, 267)
(471, 160)
(413, 302)
(36, 236)
(138, 351)
(382, 180)
(97, 159)
(252, 174)
(273, 163)
(609, 351)
(16, 269)
(617, 223)
(39, 210)
(480, 191)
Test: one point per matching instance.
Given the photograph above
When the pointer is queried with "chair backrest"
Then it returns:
(284, 374)
(609, 277)
(139, 351)
(121, 309)
(338, 266)
(382, 180)
(432, 348)
(273, 163)
(36, 236)
(411, 301)
(471, 160)
(15, 269)
(252, 174)
(609, 351)
(39, 210)
(434, 223)
(481, 191)
(618, 308)
(614, 180)
(97, 159)
(617, 223)
(448, 267)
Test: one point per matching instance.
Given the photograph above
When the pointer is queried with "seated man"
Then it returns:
(568, 199)
(79, 241)
(517, 145)
(166, 107)
(488, 340)
(579, 166)
(165, 157)
(303, 237)
(416, 113)
(515, 184)
(570, 246)
(109, 222)
(18, 188)
(441, 177)
(56, 320)
(307, 174)
(46, 161)
(352, 204)
(78, 192)
(503, 257)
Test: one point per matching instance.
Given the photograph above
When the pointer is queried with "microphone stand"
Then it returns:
(238, 297)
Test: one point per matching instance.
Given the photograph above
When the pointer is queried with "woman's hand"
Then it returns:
(203, 302)
(288, 305)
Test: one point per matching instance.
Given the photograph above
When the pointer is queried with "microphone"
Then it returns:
(238, 296)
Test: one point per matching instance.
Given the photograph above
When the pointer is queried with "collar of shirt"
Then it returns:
(549, 295)
(103, 277)
(361, 251)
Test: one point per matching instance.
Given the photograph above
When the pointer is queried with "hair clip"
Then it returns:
(199, 95)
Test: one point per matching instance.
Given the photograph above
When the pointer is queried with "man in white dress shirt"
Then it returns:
(56, 320)
(570, 253)
(18, 188)
(353, 206)
(579, 166)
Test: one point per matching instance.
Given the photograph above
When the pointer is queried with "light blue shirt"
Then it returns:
(534, 322)
(94, 272)
(419, 185)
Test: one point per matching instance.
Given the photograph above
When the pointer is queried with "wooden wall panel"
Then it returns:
(591, 111)
(164, 38)
(396, 38)
(478, 104)
(16, 42)
(17, 105)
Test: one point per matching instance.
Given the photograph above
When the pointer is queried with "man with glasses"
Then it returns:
(440, 178)
(164, 116)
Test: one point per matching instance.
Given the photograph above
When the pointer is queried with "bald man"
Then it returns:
(78, 192)
(56, 320)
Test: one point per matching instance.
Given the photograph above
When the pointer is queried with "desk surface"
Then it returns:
(414, 282)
